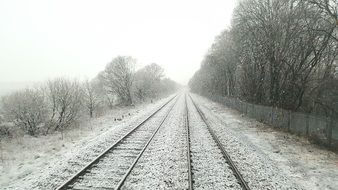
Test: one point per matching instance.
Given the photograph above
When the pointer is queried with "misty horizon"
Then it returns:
(43, 40)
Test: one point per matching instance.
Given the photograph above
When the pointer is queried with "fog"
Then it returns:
(46, 39)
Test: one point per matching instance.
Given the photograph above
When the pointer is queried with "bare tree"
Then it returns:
(65, 101)
(169, 86)
(26, 109)
(278, 52)
(105, 95)
(118, 78)
(148, 81)
(329, 10)
(280, 43)
(91, 97)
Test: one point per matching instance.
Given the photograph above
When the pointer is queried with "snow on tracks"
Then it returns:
(163, 165)
(210, 169)
(110, 169)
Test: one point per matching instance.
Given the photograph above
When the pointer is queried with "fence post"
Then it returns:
(271, 116)
(329, 131)
(253, 111)
(307, 125)
(289, 121)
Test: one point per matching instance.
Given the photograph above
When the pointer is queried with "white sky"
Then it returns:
(77, 38)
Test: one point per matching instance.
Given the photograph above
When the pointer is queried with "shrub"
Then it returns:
(64, 102)
(6, 129)
(26, 109)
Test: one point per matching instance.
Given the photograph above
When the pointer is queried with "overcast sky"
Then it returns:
(77, 38)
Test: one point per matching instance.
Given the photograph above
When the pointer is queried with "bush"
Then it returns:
(6, 129)
(64, 103)
(91, 98)
(26, 109)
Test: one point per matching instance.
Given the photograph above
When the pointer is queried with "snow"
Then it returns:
(45, 162)
(109, 171)
(267, 158)
(292, 160)
(209, 168)
(163, 164)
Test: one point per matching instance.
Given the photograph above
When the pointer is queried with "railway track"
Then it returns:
(111, 168)
(225, 155)
(190, 181)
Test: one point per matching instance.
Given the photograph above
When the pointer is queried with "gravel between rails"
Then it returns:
(257, 169)
(209, 168)
(60, 169)
(163, 164)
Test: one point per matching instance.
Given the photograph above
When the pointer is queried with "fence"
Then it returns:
(321, 130)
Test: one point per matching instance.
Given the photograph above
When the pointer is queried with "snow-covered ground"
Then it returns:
(108, 172)
(44, 162)
(163, 164)
(210, 170)
(267, 159)
(305, 164)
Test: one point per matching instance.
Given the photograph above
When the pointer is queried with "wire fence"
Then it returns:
(318, 129)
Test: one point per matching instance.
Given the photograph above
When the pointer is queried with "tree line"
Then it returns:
(58, 103)
(280, 53)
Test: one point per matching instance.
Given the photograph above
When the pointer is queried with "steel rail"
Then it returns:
(82, 171)
(187, 125)
(120, 184)
(232, 165)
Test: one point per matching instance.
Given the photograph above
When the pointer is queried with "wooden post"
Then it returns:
(289, 121)
(329, 131)
(307, 125)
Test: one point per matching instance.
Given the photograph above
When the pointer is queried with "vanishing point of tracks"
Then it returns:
(111, 168)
